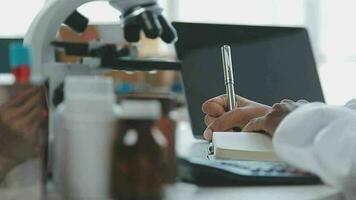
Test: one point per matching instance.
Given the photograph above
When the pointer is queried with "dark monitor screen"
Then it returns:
(270, 64)
(4, 53)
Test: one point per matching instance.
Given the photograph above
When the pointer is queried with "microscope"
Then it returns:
(137, 16)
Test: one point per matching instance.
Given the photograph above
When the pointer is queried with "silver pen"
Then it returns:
(229, 84)
(228, 76)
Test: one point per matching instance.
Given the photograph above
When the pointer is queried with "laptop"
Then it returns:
(270, 64)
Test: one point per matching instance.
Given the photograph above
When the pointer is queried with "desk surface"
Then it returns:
(191, 192)
(187, 145)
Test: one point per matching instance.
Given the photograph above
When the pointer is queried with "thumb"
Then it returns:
(227, 121)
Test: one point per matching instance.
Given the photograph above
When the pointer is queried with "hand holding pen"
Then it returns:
(222, 112)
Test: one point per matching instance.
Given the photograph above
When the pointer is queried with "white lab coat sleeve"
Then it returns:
(321, 139)
(351, 104)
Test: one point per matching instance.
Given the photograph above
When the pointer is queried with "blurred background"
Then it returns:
(329, 22)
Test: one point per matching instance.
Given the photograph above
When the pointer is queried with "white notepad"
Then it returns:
(243, 146)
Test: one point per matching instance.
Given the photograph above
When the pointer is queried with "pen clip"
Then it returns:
(227, 64)
(228, 76)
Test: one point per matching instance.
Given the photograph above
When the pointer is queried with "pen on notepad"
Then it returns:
(229, 83)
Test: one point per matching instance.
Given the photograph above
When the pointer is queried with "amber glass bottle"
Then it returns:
(139, 160)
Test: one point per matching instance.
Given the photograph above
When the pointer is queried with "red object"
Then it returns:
(16, 72)
(22, 73)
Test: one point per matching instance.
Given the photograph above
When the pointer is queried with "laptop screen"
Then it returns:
(270, 64)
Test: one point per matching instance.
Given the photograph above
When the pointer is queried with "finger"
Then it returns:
(208, 134)
(273, 119)
(255, 125)
(33, 137)
(215, 106)
(14, 113)
(238, 117)
(24, 123)
(269, 122)
(33, 132)
(20, 97)
(218, 105)
(229, 120)
(209, 119)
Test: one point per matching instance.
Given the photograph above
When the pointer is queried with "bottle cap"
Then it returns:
(88, 87)
(19, 55)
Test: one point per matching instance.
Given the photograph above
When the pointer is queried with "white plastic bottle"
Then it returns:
(83, 138)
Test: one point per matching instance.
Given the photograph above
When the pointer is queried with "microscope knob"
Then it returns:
(77, 22)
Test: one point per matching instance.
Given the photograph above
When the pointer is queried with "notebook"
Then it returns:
(243, 146)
